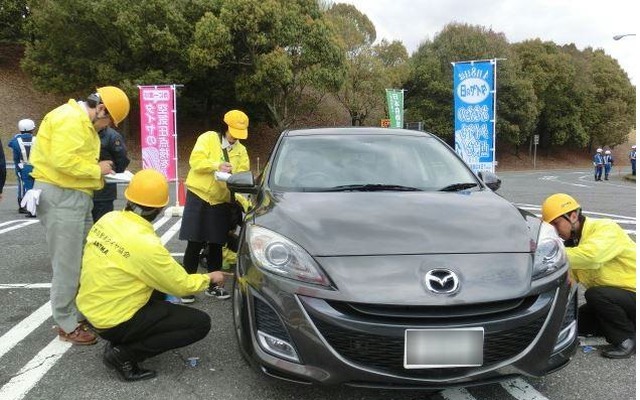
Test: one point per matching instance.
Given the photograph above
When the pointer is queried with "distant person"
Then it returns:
(3, 169)
(608, 163)
(632, 159)
(67, 171)
(111, 148)
(598, 164)
(206, 220)
(20, 145)
(602, 257)
(125, 272)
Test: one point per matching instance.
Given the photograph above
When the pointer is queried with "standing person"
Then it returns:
(111, 148)
(632, 159)
(608, 163)
(598, 164)
(21, 144)
(3, 169)
(67, 172)
(125, 268)
(602, 257)
(207, 210)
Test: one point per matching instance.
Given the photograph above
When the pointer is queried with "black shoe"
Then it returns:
(623, 350)
(22, 210)
(128, 370)
(29, 215)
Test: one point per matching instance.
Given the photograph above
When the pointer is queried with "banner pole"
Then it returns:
(175, 143)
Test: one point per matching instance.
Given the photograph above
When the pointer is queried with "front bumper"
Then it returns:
(362, 345)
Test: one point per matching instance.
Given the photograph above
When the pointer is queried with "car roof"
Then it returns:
(368, 130)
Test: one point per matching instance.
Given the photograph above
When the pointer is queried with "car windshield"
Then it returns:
(361, 162)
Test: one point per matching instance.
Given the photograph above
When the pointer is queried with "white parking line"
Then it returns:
(25, 285)
(18, 387)
(22, 223)
(456, 394)
(24, 328)
(521, 390)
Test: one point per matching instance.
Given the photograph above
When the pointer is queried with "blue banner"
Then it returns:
(474, 99)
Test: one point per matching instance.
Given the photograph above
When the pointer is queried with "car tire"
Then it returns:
(241, 323)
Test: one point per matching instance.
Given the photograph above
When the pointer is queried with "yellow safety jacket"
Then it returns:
(123, 261)
(205, 159)
(67, 150)
(605, 256)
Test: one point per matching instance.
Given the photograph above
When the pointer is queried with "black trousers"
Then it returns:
(610, 312)
(191, 257)
(100, 208)
(157, 327)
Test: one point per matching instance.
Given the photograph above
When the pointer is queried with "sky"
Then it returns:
(586, 23)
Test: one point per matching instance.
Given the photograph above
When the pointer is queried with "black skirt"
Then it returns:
(202, 222)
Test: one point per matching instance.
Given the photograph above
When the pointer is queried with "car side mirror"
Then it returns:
(242, 182)
(490, 179)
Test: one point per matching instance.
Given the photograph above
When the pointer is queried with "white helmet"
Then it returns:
(26, 125)
(599, 150)
(633, 147)
(607, 152)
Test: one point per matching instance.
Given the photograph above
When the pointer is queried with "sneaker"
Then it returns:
(188, 299)
(81, 336)
(173, 299)
(217, 291)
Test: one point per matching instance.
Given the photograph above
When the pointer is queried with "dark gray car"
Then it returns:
(375, 257)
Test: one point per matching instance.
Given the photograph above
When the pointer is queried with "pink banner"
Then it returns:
(157, 129)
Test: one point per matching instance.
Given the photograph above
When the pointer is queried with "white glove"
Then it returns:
(31, 200)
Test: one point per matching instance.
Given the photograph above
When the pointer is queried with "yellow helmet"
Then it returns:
(116, 102)
(558, 204)
(148, 188)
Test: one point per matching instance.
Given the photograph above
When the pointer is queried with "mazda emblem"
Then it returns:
(441, 281)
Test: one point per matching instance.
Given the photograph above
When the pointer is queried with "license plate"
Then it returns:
(443, 348)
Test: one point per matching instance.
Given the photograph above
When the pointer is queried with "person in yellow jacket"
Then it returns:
(602, 257)
(206, 219)
(125, 272)
(66, 172)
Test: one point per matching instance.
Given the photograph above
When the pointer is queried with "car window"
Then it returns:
(305, 163)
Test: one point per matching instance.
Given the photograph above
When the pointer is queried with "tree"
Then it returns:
(370, 69)
(282, 54)
(13, 16)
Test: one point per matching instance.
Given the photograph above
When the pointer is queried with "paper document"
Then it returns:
(222, 176)
(121, 177)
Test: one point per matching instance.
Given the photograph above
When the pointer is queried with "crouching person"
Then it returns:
(125, 268)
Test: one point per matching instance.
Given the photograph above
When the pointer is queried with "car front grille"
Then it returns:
(386, 353)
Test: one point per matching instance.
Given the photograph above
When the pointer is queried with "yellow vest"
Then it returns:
(67, 150)
(123, 261)
(205, 159)
(605, 256)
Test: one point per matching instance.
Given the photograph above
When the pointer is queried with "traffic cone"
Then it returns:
(182, 195)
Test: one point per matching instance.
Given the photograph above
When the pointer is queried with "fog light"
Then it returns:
(277, 347)
(566, 336)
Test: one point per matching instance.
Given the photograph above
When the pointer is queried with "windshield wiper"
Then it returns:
(458, 186)
(370, 187)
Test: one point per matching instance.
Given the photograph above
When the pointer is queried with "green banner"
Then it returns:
(395, 104)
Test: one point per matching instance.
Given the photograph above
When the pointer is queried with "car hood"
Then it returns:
(383, 223)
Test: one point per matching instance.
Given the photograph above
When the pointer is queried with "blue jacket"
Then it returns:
(111, 148)
(598, 159)
(21, 154)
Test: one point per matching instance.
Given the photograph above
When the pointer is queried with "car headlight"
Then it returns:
(550, 254)
(279, 255)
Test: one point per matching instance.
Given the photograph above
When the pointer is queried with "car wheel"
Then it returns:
(241, 321)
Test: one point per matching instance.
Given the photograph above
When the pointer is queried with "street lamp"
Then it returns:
(618, 37)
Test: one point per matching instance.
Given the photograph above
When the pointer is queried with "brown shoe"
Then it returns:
(80, 336)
